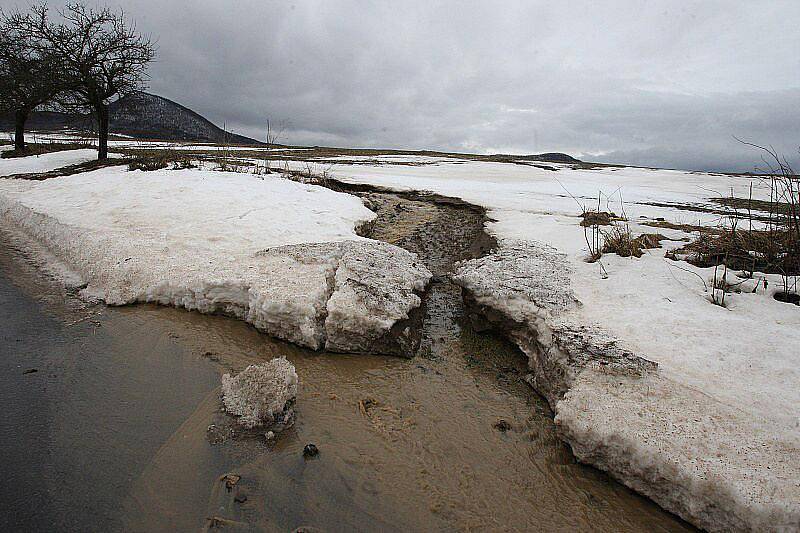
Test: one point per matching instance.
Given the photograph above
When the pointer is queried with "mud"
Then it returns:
(453, 439)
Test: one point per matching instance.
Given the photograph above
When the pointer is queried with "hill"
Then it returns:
(141, 115)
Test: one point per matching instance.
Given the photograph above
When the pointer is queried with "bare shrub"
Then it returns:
(157, 159)
(620, 240)
(591, 232)
(772, 249)
(275, 132)
(736, 243)
(598, 218)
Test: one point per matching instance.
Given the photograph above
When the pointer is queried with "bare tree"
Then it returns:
(103, 57)
(275, 132)
(29, 73)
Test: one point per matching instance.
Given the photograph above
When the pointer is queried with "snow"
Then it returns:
(217, 242)
(713, 433)
(262, 395)
(399, 159)
(45, 162)
(512, 191)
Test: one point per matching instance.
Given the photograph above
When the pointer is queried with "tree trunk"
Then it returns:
(102, 129)
(20, 117)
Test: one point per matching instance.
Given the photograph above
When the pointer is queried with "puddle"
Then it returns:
(111, 432)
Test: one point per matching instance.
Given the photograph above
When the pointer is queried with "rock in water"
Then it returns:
(310, 450)
(262, 395)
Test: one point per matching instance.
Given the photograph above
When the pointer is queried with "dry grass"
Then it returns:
(686, 228)
(158, 159)
(749, 204)
(620, 240)
(598, 218)
(771, 247)
(767, 251)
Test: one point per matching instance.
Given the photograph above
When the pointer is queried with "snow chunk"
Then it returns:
(371, 286)
(560, 351)
(262, 395)
(706, 461)
(521, 278)
(375, 288)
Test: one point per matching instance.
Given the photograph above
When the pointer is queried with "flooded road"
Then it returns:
(86, 402)
(112, 430)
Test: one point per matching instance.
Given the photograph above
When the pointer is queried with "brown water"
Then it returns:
(111, 432)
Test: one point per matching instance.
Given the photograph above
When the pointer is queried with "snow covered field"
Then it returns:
(714, 434)
(221, 242)
(44, 162)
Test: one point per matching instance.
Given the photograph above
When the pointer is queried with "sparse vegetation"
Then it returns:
(598, 218)
(620, 240)
(158, 159)
(768, 244)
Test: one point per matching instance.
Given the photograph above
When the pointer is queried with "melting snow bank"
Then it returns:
(523, 289)
(712, 463)
(354, 296)
(262, 395)
(281, 255)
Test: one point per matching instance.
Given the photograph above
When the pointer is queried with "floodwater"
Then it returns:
(111, 432)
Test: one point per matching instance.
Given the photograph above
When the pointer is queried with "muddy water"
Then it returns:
(112, 432)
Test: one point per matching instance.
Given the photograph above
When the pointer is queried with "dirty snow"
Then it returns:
(44, 162)
(262, 395)
(217, 242)
(714, 433)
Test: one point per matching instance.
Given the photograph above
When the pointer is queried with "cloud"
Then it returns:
(660, 83)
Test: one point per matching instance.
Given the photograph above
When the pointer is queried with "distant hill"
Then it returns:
(556, 157)
(148, 115)
(141, 115)
(550, 157)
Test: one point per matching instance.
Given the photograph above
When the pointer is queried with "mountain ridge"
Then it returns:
(140, 115)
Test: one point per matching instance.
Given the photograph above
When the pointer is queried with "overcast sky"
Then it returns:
(662, 83)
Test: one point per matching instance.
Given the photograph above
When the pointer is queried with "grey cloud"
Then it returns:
(661, 83)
